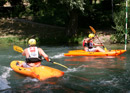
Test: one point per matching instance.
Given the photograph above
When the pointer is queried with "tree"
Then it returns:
(73, 9)
(70, 9)
(17, 7)
(2, 9)
(2, 2)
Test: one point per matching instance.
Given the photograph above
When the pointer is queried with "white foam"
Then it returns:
(6, 71)
(18, 56)
(3, 78)
(10, 56)
(113, 82)
(4, 84)
(58, 56)
(71, 70)
(29, 79)
(77, 69)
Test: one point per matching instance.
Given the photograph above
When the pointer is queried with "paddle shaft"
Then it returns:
(59, 64)
(100, 41)
(94, 31)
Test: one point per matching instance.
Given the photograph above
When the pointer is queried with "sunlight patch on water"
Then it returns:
(3, 78)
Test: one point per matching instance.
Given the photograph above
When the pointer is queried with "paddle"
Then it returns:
(59, 64)
(94, 31)
(20, 50)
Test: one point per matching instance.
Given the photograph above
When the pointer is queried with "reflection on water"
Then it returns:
(99, 62)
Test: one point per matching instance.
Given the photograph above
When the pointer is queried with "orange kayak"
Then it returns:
(84, 53)
(41, 72)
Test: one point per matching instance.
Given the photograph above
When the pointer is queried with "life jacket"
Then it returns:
(90, 43)
(83, 43)
(33, 55)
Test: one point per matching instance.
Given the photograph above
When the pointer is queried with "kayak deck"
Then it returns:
(85, 53)
(41, 72)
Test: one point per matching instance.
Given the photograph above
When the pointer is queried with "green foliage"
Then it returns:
(120, 21)
(74, 4)
(2, 2)
(11, 40)
(70, 14)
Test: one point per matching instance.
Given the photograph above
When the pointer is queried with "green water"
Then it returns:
(85, 74)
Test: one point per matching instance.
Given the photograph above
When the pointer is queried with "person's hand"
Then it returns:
(49, 60)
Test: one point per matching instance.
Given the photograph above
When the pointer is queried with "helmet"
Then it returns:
(91, 35)
(32, 42)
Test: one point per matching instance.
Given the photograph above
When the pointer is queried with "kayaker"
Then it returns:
(33, 55)
(89, 44)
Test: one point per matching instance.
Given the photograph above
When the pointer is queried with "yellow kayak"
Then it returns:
(85, 53)
(41, 72)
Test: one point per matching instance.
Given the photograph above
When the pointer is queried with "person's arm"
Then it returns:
(24, 53)
(86, 40)
(98, 44)
(42, 53)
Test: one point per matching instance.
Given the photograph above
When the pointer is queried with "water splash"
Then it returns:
(77, 69)
(58, 56)
(3, 78)
(29, 79)
(10, 56)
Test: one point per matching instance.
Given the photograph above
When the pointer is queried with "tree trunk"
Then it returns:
(90, 2)
(73, 24)
(95, 1)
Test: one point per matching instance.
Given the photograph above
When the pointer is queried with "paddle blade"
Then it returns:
(18, 49)
(92, 29)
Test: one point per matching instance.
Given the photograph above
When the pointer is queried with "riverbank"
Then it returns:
(24, 29)
(20, 30)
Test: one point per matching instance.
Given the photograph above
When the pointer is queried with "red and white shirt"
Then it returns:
(33, 52)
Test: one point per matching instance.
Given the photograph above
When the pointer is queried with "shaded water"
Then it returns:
(85, 74)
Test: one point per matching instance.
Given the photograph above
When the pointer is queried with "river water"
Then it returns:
(85, 74)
